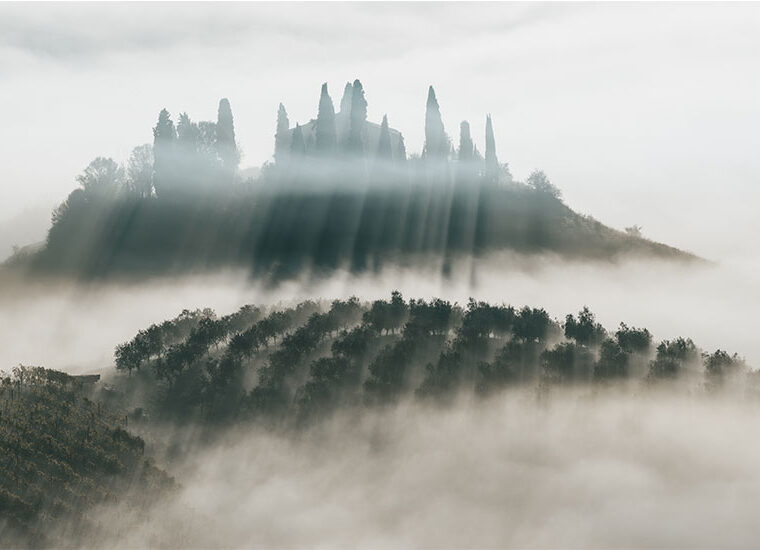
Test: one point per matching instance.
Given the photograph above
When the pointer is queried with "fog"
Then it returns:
(75, 327)
(640, 114)
(576, 470)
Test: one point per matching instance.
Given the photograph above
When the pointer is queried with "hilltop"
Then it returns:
(341, 194)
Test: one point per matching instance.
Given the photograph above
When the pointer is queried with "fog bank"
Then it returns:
(75, 328)
(576, 470)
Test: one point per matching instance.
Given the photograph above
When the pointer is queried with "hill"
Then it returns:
(62, 455)
(341, 194)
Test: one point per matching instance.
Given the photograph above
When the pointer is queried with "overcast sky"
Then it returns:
(646, 113)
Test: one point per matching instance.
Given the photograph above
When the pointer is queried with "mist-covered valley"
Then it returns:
(326, 276)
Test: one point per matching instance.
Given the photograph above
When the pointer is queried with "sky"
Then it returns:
(643, 114)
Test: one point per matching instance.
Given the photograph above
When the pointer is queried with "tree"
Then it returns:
(585, 330)
(541, 184)
(282, 139)
(225, 140)
(358, 120)
(102, 178)
(613, 361)
(326, 137)
(401, 153)
(492, 163)
(436, 141)
(164, 138)
(345, 100)
(140, 171)
(298, 146)
(384, 145)
(188, 136)
(465, 153)
(672, 356)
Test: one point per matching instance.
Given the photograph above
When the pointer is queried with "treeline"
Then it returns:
(293, 364)
(341, 193)
(62, 454)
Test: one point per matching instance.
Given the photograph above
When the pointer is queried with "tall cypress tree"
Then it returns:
(436, 141)
(384, 151)
(358, 119)
(225, 140)
(164, 138)
(326, 138)
(189, 171)
(465, 142)
(282, 140)
(492, 163)
(298, 146)
(345, 101)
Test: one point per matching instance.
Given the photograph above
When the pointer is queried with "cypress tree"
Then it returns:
(225, 139)
(298, 146)
(345, 101)
(436, 141)
(282, 135)
(465, 142)
(358, 119)
(189, 170)
(492, 163)
(384, 145)
(326, 134)
(164, 138)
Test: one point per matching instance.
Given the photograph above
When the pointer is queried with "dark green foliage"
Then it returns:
(720, 365)
(531, 324)
(515, 363)
(672, 357)
(567, 362)
(298, 363)
(584, 330)
(613, 361)
(633, 340)
(60, 455)
(482, 325)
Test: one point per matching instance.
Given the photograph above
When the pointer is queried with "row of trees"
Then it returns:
(348, 134)
(355, 353)
(194, 157)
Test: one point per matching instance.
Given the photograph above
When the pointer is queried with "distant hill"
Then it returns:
(340, 194)
(280, 231)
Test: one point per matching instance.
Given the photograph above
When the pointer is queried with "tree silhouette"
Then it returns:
(225, 140)
(384, 145)
(164, 141)
(358, 120)
(465, 153)
(282, 139)
(326, 136)
(140, 171)
(492, 163)
(298, 147)
(436, 141)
